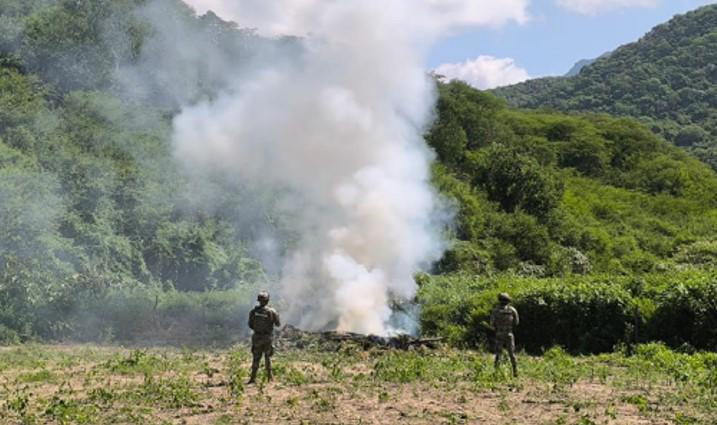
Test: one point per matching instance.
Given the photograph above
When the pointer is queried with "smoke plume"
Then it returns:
(335, 134)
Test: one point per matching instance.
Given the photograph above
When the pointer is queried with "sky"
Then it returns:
(556, 35)
(488, 43)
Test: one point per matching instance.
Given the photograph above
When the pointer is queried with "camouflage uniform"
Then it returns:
(262, 320)
(503, 318)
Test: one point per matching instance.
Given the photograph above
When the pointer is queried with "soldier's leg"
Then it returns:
(511, 354)
(498, 351)
(267, 362)
(256, 358)
(268, 354)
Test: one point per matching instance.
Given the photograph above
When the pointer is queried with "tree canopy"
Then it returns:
(667, 80)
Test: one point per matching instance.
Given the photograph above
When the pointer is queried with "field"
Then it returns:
(67, 384)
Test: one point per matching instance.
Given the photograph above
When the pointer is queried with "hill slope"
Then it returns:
(667, 79)
(544, 189)
(102, 234)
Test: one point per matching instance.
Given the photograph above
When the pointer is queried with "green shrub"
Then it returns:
(687, 313)
(214, 317)
(583, 314)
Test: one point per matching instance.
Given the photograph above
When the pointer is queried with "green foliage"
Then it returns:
(546, 194)
(687, 313)
(93, 210)
(516, 181)
(666, 80)
(102, 237)
(172, 392)
(582, 314)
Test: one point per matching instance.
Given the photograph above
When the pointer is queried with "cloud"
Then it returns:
(299, 17)
(594, 7)
(484, 72)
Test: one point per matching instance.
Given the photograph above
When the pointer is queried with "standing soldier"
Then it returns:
(503, 318)
(262, 320)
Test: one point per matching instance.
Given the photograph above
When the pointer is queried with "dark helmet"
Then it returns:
(263, 296)
(504, 298)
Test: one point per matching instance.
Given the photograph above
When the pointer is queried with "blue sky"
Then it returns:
(556, 37)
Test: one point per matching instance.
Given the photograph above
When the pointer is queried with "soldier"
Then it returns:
(503, 318)
(262, 320)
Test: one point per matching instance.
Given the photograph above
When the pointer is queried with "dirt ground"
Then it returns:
(77, 384)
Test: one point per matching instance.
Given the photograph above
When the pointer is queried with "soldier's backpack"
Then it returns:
(504, 319)
(263, 321)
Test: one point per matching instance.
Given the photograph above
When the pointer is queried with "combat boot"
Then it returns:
(252, 379)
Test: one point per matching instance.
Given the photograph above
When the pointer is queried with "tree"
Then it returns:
(517, 182)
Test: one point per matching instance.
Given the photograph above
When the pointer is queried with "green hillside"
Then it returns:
(540, 191)
(102, 236)
(602, 231)
(667, 79)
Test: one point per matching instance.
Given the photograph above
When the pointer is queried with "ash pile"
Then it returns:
(290, 337)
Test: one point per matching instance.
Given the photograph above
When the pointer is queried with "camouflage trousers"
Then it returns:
(506, 341)
(261, 345)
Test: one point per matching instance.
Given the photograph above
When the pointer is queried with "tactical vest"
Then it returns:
(263, 321)
(504, 319)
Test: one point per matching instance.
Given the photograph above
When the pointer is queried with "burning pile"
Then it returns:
(290, 337)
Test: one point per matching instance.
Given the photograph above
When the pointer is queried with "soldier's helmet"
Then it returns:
(263, 296)
(504, 298)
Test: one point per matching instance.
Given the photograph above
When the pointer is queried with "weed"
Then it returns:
(43, 375)
(586, 420)
(20, 405)
(223, 420)
(66, 411)
(290, 375)
(333, 365)
(503, 405)
(170, 392)
(684, 419)
(138, 361)
(101, 395)
(639, 401)
(611, 412)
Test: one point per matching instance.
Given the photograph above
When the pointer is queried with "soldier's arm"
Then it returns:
(251, 320)
(517, 318)
(277, 321)
(492, 318)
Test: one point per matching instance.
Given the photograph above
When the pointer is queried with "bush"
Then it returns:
(8, 336)
(172, 317)
(516, 181)
(687, 313)
(583, 314)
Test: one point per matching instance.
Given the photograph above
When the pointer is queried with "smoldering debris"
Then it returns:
(290, 337)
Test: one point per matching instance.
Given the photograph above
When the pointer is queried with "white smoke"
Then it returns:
(301, 17)
(338, 133)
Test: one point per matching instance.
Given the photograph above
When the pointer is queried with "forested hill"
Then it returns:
(104, 236)
(550, 194)
(667, 79)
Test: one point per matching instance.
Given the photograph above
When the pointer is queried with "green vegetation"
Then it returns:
(98, 226)
(667, 79)
(651, 385)
(594, 313)
(601, 229)
(546, 194)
